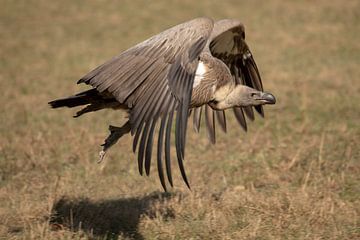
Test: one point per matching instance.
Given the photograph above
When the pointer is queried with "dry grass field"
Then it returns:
(293, 175)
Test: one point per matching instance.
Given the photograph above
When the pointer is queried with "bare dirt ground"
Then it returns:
(293, 175)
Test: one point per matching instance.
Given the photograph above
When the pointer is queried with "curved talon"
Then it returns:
(115, 134)
(101, 156)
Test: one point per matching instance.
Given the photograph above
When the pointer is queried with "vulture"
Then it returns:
(196, 67)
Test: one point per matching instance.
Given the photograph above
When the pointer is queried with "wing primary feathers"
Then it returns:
(256, 73)
(235, 73)
(197, 119)
(239, 114)
(179, 75)
(138, 91)
(159, 151)
(160, 99)
(249, 113)
(149, 146)
(247, 77)
(175, 76)
(136, 138)
(252, 76)
(182, 170)
(142, 147)
(147, 106)
(260, 110)
(146, 91)
(221, 119)
(145, 103)
(185, 113)
(256, 80)
(145, 116)
(178, 129)
(252, 79)
(210, 124)
(184, 118)
(240, 74)
(167, 147)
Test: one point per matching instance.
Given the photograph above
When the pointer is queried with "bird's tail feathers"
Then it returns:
(79, 99)
(92, 98)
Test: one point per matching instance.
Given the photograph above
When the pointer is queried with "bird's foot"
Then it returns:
(101, 156)
(115, 134)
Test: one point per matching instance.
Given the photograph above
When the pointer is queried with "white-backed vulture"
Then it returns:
(195, 65)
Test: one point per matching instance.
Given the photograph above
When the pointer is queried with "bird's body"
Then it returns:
(194, 65)
(213, 81)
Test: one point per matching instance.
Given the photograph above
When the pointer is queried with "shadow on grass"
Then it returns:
(109, 218)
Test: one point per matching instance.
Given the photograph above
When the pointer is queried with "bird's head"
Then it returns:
(246, 96)
(243, 96)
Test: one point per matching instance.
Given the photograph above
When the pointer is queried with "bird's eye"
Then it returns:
(253, 94)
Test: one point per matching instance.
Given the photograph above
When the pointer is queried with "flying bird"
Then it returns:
(197, 66)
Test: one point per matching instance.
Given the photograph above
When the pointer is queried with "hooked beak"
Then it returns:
(268, 98)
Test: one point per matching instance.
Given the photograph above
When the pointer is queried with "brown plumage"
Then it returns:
(186, 68)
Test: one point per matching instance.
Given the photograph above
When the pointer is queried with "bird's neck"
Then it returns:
(228, 97)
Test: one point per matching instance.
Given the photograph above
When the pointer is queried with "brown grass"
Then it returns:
(294, 175)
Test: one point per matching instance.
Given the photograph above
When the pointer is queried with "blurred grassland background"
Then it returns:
(293, 175)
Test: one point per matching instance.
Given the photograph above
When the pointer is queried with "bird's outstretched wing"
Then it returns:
(227, 43)
(154, 79)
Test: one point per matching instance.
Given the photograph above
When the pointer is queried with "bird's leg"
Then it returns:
(115, 134)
